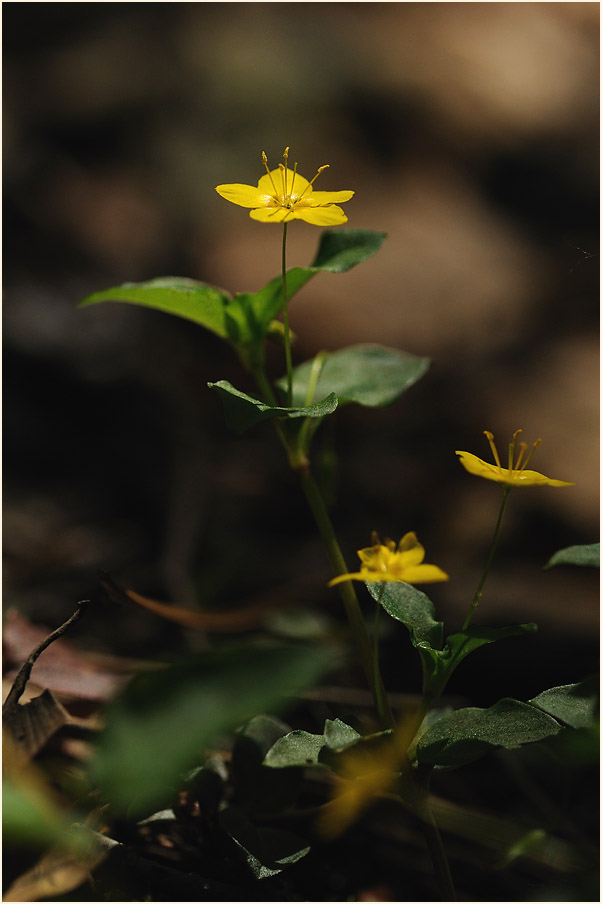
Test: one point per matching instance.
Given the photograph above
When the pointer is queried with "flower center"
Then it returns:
(522, 459)
(286, 196)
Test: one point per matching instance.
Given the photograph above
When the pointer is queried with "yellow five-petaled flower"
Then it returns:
(283, 194)
(516, 474)
(386, 562)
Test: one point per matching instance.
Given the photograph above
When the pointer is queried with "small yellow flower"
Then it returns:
(516, 474)
(284, 195)
(385, 562)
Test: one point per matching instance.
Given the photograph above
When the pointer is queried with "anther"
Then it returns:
(309, 185)
(264, 159)
(496, 457)
(511, 449)
(530, 455)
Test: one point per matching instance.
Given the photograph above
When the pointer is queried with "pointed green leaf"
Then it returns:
(339, 251)
(589, 554)
(369, 375)
(158, 728)
(338, 735)
(464, 642)
(243, 411)
(440, 664)
(411, 607)
(297, 748)
(206, 305)
(267, 851)
(467, 734)
(577, 705)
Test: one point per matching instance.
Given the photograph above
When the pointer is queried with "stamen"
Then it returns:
(267, 169)
(530, 455)
(511, 449)
(523, 449)
(309, 185)
(375, 539)
(285, 155)
(283, 177)
(496, 457)
(293, 179)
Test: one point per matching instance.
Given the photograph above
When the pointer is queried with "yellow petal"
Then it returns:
(275, 180)
(270, 214)
(490, 471)
(318, 198)
(346, 577)
(423, 574)
(411, 552)
(320, 216)
(244, 195)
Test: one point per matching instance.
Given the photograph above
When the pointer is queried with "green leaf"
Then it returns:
(30, 817)
(588, 554)
(339, 251)
(369, 375)
(160, 726)
(298, 748)
(465, 642)
(440, 664)
(267, 851)
(411, 607)
(338, 735)
(243, 411)
(206, 305)
(257, 789)
(577, 705)
(467, 734)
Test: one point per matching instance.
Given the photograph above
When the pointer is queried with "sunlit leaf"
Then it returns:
(369, 375)
(589, 554)
(243, 411)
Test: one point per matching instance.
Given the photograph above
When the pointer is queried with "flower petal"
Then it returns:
(423, 574)
(270, 214)
(318, 198)
(480, 468)
(320, 216)
(534, 478)
(411, 552)
(244, 195)
(275, 181)
(356, 576)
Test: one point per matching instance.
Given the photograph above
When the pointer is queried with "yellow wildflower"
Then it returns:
(386, 562)
(516, 474)
(283, 194)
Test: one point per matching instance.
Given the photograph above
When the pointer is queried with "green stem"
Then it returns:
(479, 591)
(287, 335)
(348, 596)
(378, 685)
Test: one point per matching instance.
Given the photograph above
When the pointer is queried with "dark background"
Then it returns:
(469, 133)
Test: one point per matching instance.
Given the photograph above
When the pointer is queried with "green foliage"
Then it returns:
(29, 816)
(467, 734)
(412, 608)
(267, 851)
(588, 554)
(243, 320)
(369, 375)
(244, 411)
(205, 305)
(577, 705)
(164, 720)
(301, 748)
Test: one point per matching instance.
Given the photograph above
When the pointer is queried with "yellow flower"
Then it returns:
(516, 474)
(385, 562)
(284, 195)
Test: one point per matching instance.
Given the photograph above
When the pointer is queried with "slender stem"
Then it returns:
(378, 684)
(479, 591)
(287, 335)
(436, 850)
(348, 596)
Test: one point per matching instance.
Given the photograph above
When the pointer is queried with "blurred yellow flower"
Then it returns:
(283, 194)
(516, 474)
(386, 562)
(363, 775)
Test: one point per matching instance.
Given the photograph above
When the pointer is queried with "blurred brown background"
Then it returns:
(469, 132)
